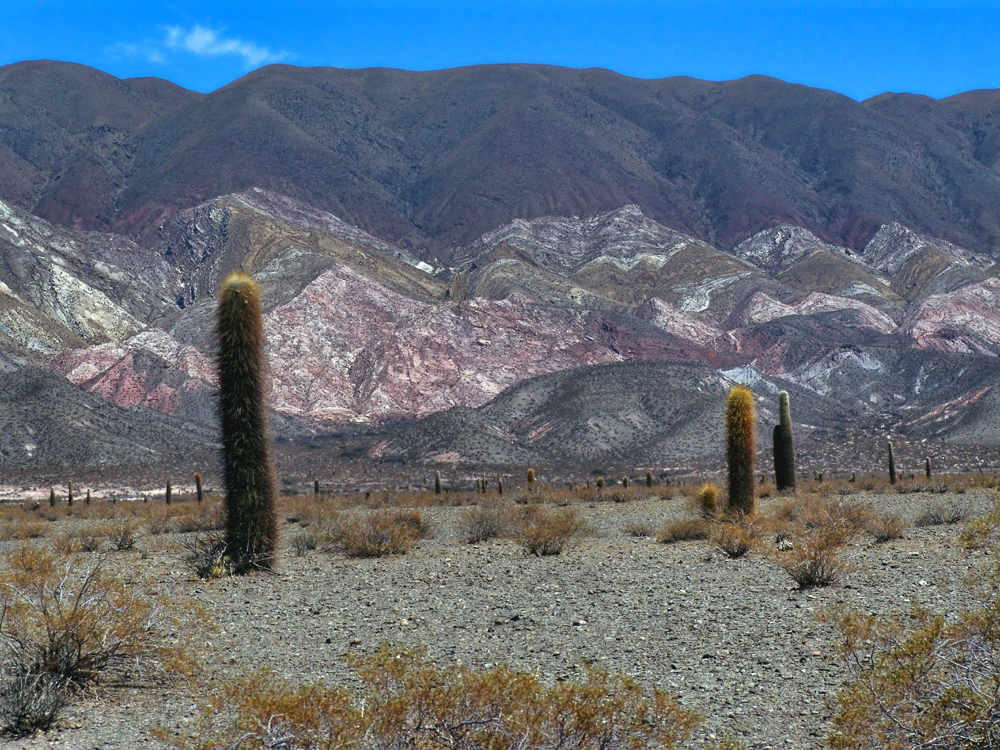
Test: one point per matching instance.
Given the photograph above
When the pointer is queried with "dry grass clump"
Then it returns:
(939, 515)
(638, 529)
(685, 530)
(407, 702)
(480, 523)
(886, 528)
(813, 561)
(734, 539)
(303, 542)
(378, 533)
(123, 534)
(543, 531)
(983, 532)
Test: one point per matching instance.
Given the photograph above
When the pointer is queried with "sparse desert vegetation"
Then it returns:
(524, 589)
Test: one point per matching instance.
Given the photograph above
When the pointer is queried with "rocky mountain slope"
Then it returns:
(902, 335)
(432, 161)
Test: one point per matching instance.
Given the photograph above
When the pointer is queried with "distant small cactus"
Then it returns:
(740, 440)
(927, 467)
(784, 448)
(708, 500)
(169, 495)
(197, 487)
(531, 476)
(625, 482)
(87, 500)
(649, 478)
(52, 497)
(69, 494)
(499, 485)
(892, 465)
(316, 487)
(600, 483)
(437, 482)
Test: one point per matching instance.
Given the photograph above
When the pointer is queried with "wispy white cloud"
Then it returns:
(148, 51)
(201, 40)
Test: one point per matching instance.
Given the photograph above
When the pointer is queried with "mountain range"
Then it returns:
(499, 265)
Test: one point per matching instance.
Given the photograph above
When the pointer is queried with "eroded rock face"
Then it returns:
(761, 308)
(964, 321)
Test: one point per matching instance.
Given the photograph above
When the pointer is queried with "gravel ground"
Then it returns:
(733, 638)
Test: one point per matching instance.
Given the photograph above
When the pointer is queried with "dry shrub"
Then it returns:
(812, 561)
(837, 519)
(69, 623)
(885, 528)
(303, 542)
(30, 702)
(939, 515)
(734, 539)
(21, 529)
(922, 681)
(123, 534)
(377, 534)
(407, 702)
(638, 529)
(542, 531)
(207, 555)
(480, 523)
(984, 532)
(682, 531)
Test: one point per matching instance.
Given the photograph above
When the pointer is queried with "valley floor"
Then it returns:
(735, 639)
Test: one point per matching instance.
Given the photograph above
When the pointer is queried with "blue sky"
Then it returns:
(857, 48)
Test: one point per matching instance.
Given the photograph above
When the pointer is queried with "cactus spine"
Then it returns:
(892, 465)
(197, 487)
(437, 482)
(927, 467)
(251, 527)
(740, 427)
(784, 448)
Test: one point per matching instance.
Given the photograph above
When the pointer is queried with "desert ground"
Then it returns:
(735, 639)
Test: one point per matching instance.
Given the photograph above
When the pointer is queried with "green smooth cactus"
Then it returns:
(251, 525)
(740, 445)
(784, 448)
(892, 465)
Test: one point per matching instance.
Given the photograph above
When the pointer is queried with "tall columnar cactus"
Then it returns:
(927, 467)
(169, 495)
(87, 500)
(740, 439)
(316, 488)
(892, 465)
(649, 478)
(197, 487)
(531, 479)
(251, 526)
(784, 448)
(69, 494)
(499, 485)
(437, 482)
(52, 497)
